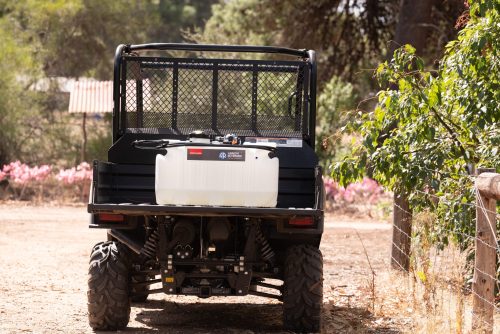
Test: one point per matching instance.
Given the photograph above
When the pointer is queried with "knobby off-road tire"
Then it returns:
(109, 281)
(303, 289)
(134, 289)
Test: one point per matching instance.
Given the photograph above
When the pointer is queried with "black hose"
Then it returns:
(163, 144)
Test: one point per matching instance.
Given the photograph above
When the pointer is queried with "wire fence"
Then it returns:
(444, 269)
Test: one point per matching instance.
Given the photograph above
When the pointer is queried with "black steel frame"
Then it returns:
(123, 51)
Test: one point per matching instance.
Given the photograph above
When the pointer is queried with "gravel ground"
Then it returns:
(43, 281)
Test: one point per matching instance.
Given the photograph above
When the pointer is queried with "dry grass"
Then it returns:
(434, 296)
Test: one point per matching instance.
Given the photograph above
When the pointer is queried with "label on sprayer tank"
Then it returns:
(215, 155)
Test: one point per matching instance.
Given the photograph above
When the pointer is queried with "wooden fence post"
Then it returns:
(483, 284)
(401, 233)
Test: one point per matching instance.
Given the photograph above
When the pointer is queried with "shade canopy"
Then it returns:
(91, 96)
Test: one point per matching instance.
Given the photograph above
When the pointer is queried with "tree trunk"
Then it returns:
(412, 26)
(83, 153)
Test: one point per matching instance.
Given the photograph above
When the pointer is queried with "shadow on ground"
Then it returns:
(205, 317)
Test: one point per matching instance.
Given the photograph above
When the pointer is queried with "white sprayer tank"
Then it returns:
(217, 176)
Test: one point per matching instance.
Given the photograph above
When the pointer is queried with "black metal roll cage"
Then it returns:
(308, 55)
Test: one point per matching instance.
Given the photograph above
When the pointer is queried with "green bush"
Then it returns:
(334, 103)
(422, 137)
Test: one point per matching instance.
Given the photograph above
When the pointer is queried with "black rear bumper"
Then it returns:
(193, 210)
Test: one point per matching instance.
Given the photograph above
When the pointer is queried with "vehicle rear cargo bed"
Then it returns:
(129, 189)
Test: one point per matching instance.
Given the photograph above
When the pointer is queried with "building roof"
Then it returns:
(91, 96)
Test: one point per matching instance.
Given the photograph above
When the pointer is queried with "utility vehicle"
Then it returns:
(212, 186)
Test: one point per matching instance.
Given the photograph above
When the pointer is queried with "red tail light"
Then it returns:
(108, 217)
(301, 221)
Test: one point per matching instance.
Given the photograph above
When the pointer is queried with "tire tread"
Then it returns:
(303, 289)
(108, 287)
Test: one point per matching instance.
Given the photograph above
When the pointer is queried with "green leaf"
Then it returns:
(420, 64)
(430, 133)
(409, 49)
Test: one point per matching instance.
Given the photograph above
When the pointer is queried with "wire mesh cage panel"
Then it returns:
(245, 97)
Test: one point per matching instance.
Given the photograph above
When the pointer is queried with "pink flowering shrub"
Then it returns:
(367, 191)
(79, 174)
(20, 173)
(43, 183)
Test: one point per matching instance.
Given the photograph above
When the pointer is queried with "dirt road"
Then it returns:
(43, 281)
